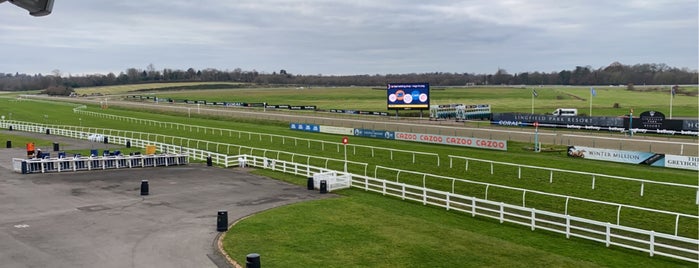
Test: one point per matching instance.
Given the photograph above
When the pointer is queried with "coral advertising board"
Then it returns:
(453, 140)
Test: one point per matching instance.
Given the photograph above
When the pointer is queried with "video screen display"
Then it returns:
(408, 96)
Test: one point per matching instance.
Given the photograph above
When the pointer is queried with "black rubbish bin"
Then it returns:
(209, 162)
(55, 147)
(144, 187)
(106, 139)
(222, 221)
(48, 131)
(252, 260)
(128, 144)
(10, 128)
(309, 184)
(323, 187)
(9, 144)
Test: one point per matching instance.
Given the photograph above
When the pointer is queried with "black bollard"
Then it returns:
(9, 144)
(209, 162)
(252, 260)
(144, 187)
(309, 184)
(222, 221)
(55, 147)
(323, 187)
(128, 144)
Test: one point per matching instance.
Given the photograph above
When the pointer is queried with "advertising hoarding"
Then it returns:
(408, 96)
(305, 127)
(682, 162)
(371, 133)
(453, 140)
(336, 130)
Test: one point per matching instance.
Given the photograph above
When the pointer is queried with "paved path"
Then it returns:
(99, 218)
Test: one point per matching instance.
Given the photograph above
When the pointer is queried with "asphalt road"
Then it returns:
(99, 218)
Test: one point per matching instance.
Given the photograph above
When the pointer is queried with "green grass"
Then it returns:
(610, 190)
(121, 89)
(360, 229)
(657, 197)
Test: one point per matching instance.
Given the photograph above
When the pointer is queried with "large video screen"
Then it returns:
(408, 96)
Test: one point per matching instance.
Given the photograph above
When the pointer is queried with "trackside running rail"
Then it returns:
(648, 241)
(594, 176)
(221, 131)
(160, 141)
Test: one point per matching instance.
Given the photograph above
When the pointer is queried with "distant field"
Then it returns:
(501, 99)
(121, 89)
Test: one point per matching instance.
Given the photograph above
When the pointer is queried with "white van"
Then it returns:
(566, 112)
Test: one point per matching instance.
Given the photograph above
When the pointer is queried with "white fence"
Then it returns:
(653, 243)
(524, 193)
(610, 234)
(334, 180)
(166, 143)
(604, 232)
(594, 176)
(230, 132)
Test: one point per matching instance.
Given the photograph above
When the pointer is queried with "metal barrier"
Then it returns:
(45, 165)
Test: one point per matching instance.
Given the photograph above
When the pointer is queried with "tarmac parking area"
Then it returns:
(100, 219)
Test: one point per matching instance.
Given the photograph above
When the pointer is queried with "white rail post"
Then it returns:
(567, 226)
(608, 234)
(642, 184)
(502, 212)
(593, 182)
(652, 243)
(519, 172)
(533, 219)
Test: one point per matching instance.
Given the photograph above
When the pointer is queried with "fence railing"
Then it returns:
(230, 132)
(593, 176)
(524, 193)
(166, 143)
(651, 242)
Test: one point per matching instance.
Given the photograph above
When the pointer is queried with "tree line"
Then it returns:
(614, 74)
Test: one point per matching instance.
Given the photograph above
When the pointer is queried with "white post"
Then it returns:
(345, 158)
(590, 102)
(671, 97)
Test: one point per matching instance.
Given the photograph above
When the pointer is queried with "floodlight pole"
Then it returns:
(532, 103)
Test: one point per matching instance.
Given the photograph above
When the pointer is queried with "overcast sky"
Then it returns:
(348, 37)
